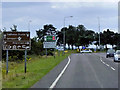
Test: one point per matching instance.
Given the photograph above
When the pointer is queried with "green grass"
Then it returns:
(0, 67)
(37, 67)
(0, 76)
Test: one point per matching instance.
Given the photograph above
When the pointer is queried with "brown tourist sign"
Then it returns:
(16, 40)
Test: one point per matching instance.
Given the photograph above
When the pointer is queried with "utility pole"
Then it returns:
(99, 30)
(64, 31)
(29, 25)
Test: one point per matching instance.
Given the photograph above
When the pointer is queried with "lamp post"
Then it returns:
(29, 25)
(99, 30)
(64, 30)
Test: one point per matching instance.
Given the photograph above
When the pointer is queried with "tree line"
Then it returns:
(74, 36)
(80, 36)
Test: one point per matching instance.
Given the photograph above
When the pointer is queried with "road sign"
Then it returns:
(16, 40)
(49, 44)
(50, 38)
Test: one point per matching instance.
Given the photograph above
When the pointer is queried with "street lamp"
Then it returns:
(64, 30)
(29, 25)
(99, 30)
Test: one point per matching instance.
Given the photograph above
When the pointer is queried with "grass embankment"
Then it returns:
(0, 75)
(37, 67)
(0, 63)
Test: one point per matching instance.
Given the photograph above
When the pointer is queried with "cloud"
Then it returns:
(66, 5)
(53, 13)
(60, 0)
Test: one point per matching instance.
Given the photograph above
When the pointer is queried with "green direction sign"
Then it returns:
(51, 38)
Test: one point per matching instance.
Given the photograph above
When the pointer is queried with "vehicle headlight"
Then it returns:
(107, 53)
(116, 56)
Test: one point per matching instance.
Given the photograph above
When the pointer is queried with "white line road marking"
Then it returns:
(59, 76)
(103, 62)
(107, 65)
(112, 68)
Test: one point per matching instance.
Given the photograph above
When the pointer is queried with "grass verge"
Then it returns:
(0, 76)
(37, 67)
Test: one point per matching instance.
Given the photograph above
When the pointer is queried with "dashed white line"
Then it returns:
(107, 65)
(103, 62)
(112, 68)
(59, 76)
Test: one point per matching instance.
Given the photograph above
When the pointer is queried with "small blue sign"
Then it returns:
(83, 47)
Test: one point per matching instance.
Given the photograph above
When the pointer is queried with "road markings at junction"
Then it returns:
(106, 64)
(112, 68)
(59, 76)
(103, 62)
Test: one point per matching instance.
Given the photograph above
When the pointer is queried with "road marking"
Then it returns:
(107, 65)
(57, 79)
(112, 68)
(103, 62)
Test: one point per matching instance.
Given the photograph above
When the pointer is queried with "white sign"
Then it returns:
(49, 44)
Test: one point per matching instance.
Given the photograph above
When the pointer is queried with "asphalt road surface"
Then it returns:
(88, 70)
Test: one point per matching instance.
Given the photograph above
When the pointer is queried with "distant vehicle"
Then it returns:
(61, 48)
(110, 53)
(117, 56)
(86, 51)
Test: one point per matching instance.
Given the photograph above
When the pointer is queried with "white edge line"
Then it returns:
(55, 82)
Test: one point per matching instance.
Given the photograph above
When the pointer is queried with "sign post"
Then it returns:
(25, 59)
(6, 61)
(16, 41)
(50, 40)
(54, 52)
(46, 52)
(47, 45)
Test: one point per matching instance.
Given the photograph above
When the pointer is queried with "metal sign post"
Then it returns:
(16, 41)
(58, 52)
(46, 52)
(50, 40)
(25, 59)
(54, 52)
(6, 61)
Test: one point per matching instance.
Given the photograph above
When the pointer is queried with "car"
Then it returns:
(110, 53)
(117, 56)
(61, 48)
(86, 51)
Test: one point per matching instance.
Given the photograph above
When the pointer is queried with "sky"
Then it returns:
(42, 13)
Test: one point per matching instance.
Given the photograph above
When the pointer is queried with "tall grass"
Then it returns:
(37, 67)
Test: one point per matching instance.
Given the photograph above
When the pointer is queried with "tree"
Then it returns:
(42, 32)
(14, 29)
(84, 37)
(60, 37)
(70, 36)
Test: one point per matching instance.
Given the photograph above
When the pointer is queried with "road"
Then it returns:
(89, 70)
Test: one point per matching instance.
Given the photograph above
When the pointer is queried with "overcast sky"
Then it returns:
(41, 13)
